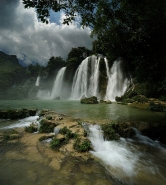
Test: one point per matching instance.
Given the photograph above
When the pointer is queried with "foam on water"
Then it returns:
(124, 160)
(22, 122)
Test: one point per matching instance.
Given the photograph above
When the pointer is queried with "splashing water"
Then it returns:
(22, 122)
(124, 161)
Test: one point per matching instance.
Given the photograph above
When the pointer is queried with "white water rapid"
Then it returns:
(58, 84)
(117, 83)
(37, 81)
(86, 79)
(125, 161)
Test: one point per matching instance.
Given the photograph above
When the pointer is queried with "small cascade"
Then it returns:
(124, 159)
(58, 84)
(86, 79)
(37, 81)
(117, 83)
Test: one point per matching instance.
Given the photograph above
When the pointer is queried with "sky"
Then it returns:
(32, 41)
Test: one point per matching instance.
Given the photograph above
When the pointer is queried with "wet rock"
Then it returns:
(108, 102)
(91, 100)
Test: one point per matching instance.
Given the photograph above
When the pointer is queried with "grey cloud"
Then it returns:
(22, 34)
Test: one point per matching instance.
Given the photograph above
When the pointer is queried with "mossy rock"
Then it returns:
(108, 102)
(46, 126)
(14, 136)
(82, 146)
(56, 143)
(91, 100)
(17, 114)
(157, 107)
(110, 131)
(31, 129)
(49, 117)
(135, 91)
(46, 137)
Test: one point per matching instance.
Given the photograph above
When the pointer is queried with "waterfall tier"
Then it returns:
(37, 81)
(86, 81)
(117, 82)
(58, 84)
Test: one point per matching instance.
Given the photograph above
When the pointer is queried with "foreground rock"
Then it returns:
(91, 100)
(17, 114)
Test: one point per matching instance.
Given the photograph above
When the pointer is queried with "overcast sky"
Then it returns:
(21, 34)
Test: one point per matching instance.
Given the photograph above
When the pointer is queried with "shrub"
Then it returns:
(31, 129)
(68, 134)
(46, 127)
(49, 117)
(83, 146)
(110, 131)
(56, 143)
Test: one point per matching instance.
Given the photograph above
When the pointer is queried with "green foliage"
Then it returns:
(31, 129)
(53, 65)
(56, 144)
(68, 134)
(82, 146)
(76, 56)
(46, 126)
(110, 130)
(13, 114)
(10, 69)
(49, 117)
(10, 135)
(157, 107)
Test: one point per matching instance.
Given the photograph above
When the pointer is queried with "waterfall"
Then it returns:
(117, 83)
(80, 81)
(86, 79)
(58, 84)
(37, 81)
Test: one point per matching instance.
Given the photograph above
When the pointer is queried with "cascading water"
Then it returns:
(125, 161)
(117, 83)
(37, 81)
(86, 79)
(58, 84)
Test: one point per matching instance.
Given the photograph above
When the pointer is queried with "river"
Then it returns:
(137, 161)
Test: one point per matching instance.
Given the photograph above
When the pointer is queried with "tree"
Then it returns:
(53, 65)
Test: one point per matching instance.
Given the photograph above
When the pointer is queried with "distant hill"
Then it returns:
(9, 69)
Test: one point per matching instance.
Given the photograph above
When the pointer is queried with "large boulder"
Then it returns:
(91, 100)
